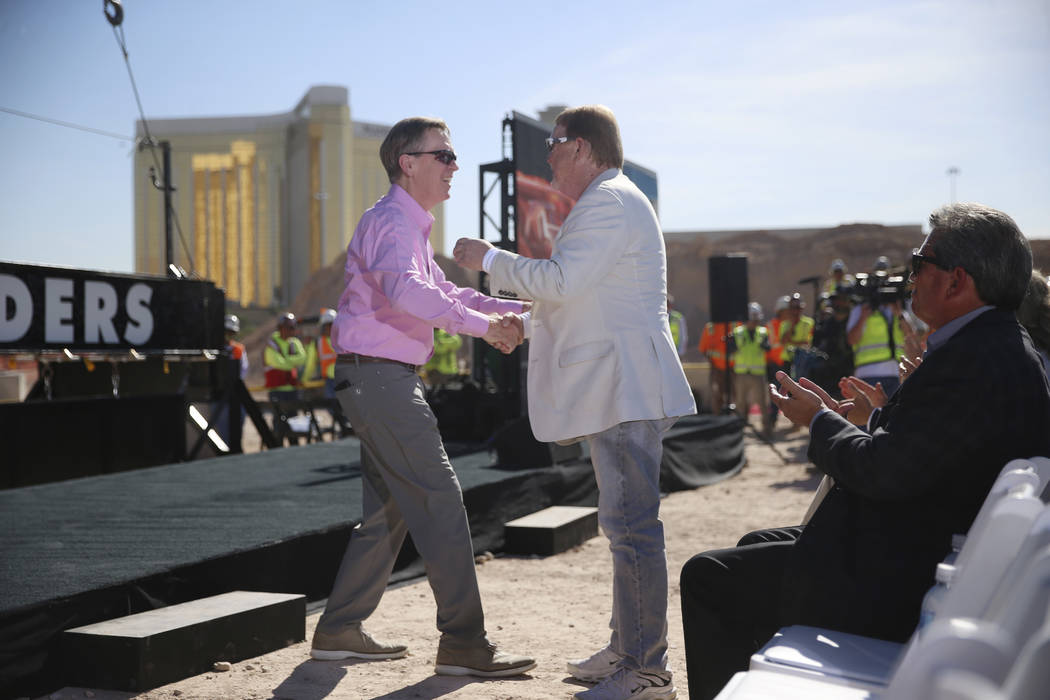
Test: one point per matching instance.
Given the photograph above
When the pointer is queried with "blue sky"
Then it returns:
(752, 113)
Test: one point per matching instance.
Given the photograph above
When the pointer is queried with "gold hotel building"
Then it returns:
(262, 201)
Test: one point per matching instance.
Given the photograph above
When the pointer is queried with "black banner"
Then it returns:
(49, 309)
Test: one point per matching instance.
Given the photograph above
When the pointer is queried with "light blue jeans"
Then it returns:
(626, 460)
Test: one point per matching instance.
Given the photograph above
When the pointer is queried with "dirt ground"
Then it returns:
(552, 608)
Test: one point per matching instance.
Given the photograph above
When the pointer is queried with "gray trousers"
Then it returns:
(408, 486)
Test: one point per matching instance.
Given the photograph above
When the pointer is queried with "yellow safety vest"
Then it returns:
(874, 345)
(674, 319)
(284, 360)
(800, 334)
(444, 358)
(750, 356)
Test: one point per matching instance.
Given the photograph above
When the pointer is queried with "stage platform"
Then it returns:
(78, 552)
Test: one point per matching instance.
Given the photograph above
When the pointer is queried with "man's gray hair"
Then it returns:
(989, 246)
(404, 137)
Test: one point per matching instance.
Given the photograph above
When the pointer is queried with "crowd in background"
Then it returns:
(861, 328)
(854, 341)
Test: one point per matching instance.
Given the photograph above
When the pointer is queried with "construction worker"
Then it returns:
(220, 411)
(713, 341)
(232, 326)
(874, 332)
(443, 364)
(679, 332)
(749, 344)
(837, 277)
(320, 355)
(796, 334)
(775, 354)
(320, 369)
(285, 359)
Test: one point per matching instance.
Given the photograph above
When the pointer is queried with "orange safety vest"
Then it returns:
(713, 345)
(326, 354)
(773, 354)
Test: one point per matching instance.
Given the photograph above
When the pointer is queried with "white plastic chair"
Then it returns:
(1015, 473)
(768, 685)
(961, 684)
(1023, 624)
(1038, 539)
(1042, 468)
(1029, 679)
(866, 663)
(830, 656)
(976, 646)
(985, 558)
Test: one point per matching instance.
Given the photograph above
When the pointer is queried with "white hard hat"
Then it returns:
(782, 303)
(327, 316)
(232, 323)
(754, 311)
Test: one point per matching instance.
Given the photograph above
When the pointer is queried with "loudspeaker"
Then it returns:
(516, 448)
(728, 278)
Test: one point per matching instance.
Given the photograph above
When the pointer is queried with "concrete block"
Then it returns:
(551, 530)
(146, 650)
(12, 385)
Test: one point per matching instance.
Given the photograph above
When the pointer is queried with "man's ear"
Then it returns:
(960, 283)
(407, 163)
(583, 148)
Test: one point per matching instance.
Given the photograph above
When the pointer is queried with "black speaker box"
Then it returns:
(728, 278)
(517, 448)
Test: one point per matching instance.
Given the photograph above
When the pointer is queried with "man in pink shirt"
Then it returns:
(395, 296)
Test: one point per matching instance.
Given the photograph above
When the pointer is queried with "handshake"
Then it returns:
(505, 332)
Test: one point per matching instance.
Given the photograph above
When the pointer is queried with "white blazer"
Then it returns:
(601, 351)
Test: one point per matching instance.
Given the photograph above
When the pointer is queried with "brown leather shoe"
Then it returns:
(353, 642)
(484, 661)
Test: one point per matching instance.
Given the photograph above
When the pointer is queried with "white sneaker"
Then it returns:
(626, 684)
(599, 665)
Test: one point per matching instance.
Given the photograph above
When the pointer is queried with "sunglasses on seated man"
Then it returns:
(444, 155)
(917, 261)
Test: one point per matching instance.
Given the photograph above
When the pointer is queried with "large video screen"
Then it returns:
(540, 209)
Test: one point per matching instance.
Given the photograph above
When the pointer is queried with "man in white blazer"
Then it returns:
(603, 367)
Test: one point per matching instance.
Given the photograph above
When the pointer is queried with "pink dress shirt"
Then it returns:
(396, 294)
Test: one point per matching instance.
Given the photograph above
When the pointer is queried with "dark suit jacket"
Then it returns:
(865, 559)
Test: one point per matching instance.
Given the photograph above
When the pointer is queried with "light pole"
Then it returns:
(953, 172)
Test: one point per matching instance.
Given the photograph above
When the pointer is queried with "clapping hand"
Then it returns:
(800, 401)
(864, 398)
(907, 366)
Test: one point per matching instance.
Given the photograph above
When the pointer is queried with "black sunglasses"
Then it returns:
(918, 259)
(443, 156)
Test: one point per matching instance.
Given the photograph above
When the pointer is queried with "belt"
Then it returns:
(353, 358)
